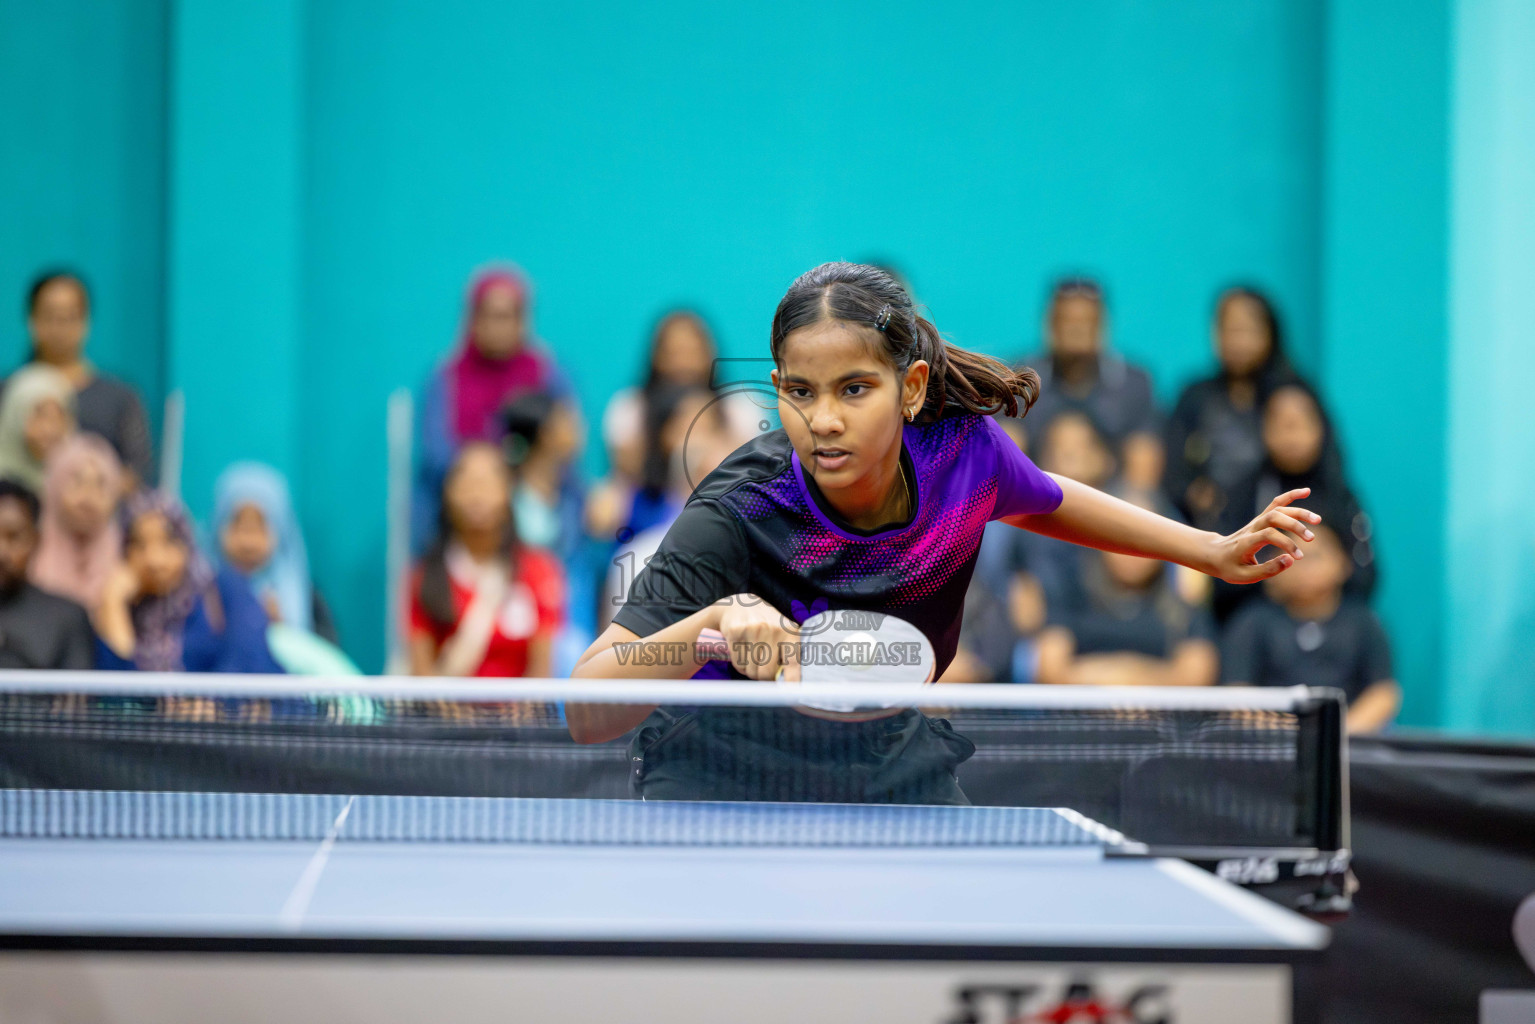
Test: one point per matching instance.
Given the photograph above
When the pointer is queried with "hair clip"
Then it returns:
(882, 318)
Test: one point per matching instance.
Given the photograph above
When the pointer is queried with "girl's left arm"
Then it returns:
(1089, 517)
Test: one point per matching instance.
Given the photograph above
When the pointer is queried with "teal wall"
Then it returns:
(1384, 309)
(1489, 528)
(82, 172)
(281, 203)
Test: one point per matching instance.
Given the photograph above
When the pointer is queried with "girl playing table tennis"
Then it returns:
(872, 497)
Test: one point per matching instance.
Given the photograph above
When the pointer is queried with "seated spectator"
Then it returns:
(37, 412)
(1079, 373)
(165, 609)
(481, 602)
(81, 541)
(543, 439)
(1299, 450)
(260, 538)
(1214, 438)
(497, 360)
(59, 321)
(682, 355)
(37, 629)
(699, 436)
(1129, 626)
(1306, 631)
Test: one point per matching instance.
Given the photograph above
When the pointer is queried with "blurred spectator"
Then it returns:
(682, 355)
(1079, 373)
(37, 629)
(1307, 632)
(543, 439)
(165, 609)
(497, 360)
(59, 320)
(37, 412)
(1128, 625)
(1299, 450)
(82, 542)
(260, 538)
(481, 602)
(698, 437)
(1214, 440)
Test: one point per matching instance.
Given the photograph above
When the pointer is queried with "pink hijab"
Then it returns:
(479, 385)
(67, 565)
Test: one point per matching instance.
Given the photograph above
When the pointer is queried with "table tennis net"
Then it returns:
(115, 814)
(1209, 774)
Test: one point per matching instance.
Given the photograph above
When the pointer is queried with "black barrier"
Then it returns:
(1444, 850)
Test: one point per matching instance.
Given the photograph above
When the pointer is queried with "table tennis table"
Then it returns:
(182, 906)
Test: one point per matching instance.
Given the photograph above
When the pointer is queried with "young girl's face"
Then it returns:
(478, 494)
(1292, 431)
(1074, 449)
(47, 425)
(247, 539)
(1242, 338)
(842, 404)
(1131, 571)
(683, 355)
(86, 499)
(156, 555)
(561, 433)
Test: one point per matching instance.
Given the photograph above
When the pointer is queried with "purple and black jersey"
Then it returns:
(758, 524)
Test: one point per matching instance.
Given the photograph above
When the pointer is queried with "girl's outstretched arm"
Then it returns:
(1089, 517)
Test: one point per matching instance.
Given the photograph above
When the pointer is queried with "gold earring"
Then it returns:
(910, 414)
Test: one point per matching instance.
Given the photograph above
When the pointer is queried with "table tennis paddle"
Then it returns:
(845, 646)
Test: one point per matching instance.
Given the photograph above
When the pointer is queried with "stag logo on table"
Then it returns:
(1080, 1002)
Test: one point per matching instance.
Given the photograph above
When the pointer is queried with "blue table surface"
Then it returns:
(617, 871)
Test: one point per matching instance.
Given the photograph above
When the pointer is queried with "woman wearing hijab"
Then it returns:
(37, 413)
(497, 360)
(166, 609)
(80, 542)
(260, 538)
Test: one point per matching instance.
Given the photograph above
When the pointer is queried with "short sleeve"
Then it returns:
(133, 441)
(1239, 652)
(546, 579)
(1022, 487)
(702, 558)
(1377, 651)
(1202, 625)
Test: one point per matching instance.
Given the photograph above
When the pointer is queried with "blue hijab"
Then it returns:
(286, 573)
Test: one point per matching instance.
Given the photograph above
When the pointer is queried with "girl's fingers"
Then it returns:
(1274, 566)
(1287, 497)
(1279, 539)
(1304, 515)
(1281, 521)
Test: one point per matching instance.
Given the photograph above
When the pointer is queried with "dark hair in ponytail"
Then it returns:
(855, 293)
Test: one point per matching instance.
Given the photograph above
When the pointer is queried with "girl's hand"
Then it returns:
(1236, 556)
(121, 587)
(758, 639)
